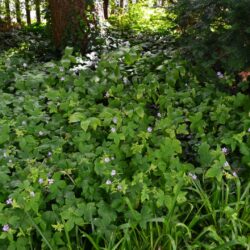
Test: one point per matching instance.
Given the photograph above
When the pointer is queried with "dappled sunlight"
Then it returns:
(125, 125)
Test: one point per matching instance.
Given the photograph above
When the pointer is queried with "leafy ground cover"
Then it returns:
(130, 149)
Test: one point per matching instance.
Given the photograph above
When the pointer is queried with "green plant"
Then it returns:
(135, 152)
(215, 33)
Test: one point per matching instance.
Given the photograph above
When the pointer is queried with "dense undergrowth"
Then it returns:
(127, 149)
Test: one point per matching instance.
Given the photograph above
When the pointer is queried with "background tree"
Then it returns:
(18, 11)
(1, 11)
(122, 4)
(27, 10)
(7, 12)
(105, 8)
(38, 11)
(69, 22)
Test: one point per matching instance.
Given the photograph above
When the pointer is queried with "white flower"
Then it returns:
(226, 164)
(62, 79)
(115, 120)
(61, 69)
(125, 80)
(219, 75)
(50, 181)
(108, 182)
(6, 228)
(149, 129)
(40, 181)
(193, 176)
(24, 123)
(10, 161)
(32, 194)
(113, 130)
(224, 150)
(248, 130)
(49, 154)
(235, 174)
(5, 155)
(40, 133)
(113, 172)
(9, 201)
(25, 65)
(107, 159)
(159, 114)
(119, 187)
(112, 158)
(107, 95)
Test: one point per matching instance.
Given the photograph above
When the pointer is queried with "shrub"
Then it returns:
(216, 33)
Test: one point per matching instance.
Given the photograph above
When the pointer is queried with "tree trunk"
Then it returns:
(7, 12)
(18, 11)
(69, 23)
(121, 4)
(1, 12)
(105, 8)
(38, 11)
(27, 9)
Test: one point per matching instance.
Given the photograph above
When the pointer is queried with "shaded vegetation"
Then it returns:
(140, 143)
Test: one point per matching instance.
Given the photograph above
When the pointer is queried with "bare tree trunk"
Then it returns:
(27, 9)
(69, 21)
(7, 11)
(105, 8)
(1, 12)
(38, 11)
(122, 4)
(18, 11)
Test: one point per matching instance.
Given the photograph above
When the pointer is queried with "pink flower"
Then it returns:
(6, 228)
(9, 201)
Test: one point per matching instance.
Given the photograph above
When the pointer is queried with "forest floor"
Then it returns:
(128, 147)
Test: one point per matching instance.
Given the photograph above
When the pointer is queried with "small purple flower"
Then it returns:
(9, 201)
(6, 228)
(113, 172)
(219, 75)
(107, 159)
(113, 130)
(62, 79)
(125, 80)
(224, 150)
(226, 164)
(108, 182)
(235, 174)
(149, 129)
(49, 154)
(193, 176)
(40, 181)
(115, 120)
(40, 133)
(159, 114)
